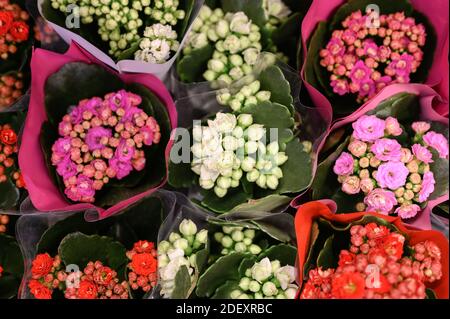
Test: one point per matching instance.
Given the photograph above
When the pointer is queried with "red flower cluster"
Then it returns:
(11, 88)
(1, 271)
(373, 268)
(143, 266)
(95, 282)
(4, 221)
(13, 28)
(8, 149)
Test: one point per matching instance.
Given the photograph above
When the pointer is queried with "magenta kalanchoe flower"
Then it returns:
(422, 153)
(368, 128)
(427, 186)
(380, 201)
(344, 164)
(407, 211)
(387, 149)
(392, 175)
(102, 139)
(438, 142)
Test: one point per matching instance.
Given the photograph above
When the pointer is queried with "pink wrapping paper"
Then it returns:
(428, 97)
(438, 15)
(44, 195)
(132, 66)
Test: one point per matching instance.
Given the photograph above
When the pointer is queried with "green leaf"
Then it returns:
(403, 106)
(265, 204)
(79, 249)
(225, 268)
(430, 294)
(9, 194)
(188, 7)
(326, 258)
(74, 82)
(180, 174)
(182, 284)
(191, 67)
(286, 254)
(316, 43)
(440, 171)
(252, 8)
(273, 80)
(11, 261)
(233, 198)
(224, 291)
(287, 36)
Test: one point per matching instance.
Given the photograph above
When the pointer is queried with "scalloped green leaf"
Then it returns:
(326, 258)
(272, 79)
(225, 268)
(191, 67)
(440, 171)
(403, 106)
(315, 44)
(182, 284)
(233, 198)
(79, 249)
(9, 195)
(224, 291)
(265, 204)
(286, 254)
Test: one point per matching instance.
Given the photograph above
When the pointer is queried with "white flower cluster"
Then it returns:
(267, 280)
(119, 20)
(179, 251)
(237, 43)
(231, 146)
(158, 42)
(236, 239)
(250, 94)
(276, 12)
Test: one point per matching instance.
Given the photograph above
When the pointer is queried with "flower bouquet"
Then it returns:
(248, 153)
(227, 37)
(12, 186)
(367, 256)
(132, 36)
(200, 255)
(392, 159)
(99, 140)
(115, 258)
(11, 260)
(357, 47)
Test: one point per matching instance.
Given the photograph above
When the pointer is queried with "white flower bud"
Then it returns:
(227, 242)
(280, 158)
(218, 236)
(222, 28)
(247, 241)
(244, 42)
(187, 227)
(237, 235)
(225, 78)
(285, 275)
(248, 164)
(163, 260)
(269, 289)
(245, 120)
(255, 132)
(163, 246)
(228, 229)
(238, 132)
(224, 182)
(223, 98)
(280, 296)
(246, 91)
(247, 69)
(251, 56)
(253, 176)
(235, 294)
(254, 286)
(209, 75)
(243, 296)
(202, 236)
(236, 73)
(251, 101)
(307, 146)
(212, 35)
(205, 13)
(196, 150)
(263, 96)
(277, 172)
(261, 181)
(206, 183)
(240, 23)
(236, 60)
(251, 147)
(255, 86)
(181, 243)
(230, 143)
(237, 174)
(234, 183)
(173, 237)
(272, 182)
(232, 44)
(249, 233)
(240, 247)
(275, 265)
(220, 192)
(259, 295)
(225, 251)
(255, 37)
(197, 133)
(254, 249)
(244, 283)
(216, 65)
(225, 122)
(290, 293)
(235, 104)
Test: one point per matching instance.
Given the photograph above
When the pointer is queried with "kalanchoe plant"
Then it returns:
(227, 37)
(15, 35)
(357, 52)
(115, 257)
(362, 256)
(11, 260)
(180, 259)
(11, 88)
(148, 30)
(12, 186)
(389, 162)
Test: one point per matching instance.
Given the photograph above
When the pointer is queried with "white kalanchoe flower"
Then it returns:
(276, 9)
(239, 22)
(158, 43)
(285, 276)
(262, 271)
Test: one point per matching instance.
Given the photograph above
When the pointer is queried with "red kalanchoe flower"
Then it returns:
(1, 271)
(143, 246)
(42, 265)
(19, 31)
(8, 136)
(104, 275)
(6, 19)
(346, 258)
(144, 264)
(393, 245)
(87, 290)
(348, 286)
(38, 290)
(375, 231)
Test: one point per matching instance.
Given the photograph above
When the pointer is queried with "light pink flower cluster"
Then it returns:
(367, 55)
(102, 139)
(394, 179)
(374, 267)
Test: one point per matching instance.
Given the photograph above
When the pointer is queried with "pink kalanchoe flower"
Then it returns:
(340, 86)
(360, 73)
(94, 137)
(402, 66)
(427, 188)
(336, 46)
(368, 128)
(422, 153)
(344, 164)
(438, 142)
(380, 201)
(407, 156)
(387, 149)
(367, 88)
(124, 152)
(130, 113)
(66, 168)
(85, 186)
(366, 185)
(351, 185)
(407, 211)
(421, 127)
(118, 100)
(393, 126)
(122, 168)
(357, 148)
(392, 175)
(370, 48)
(62, 146)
